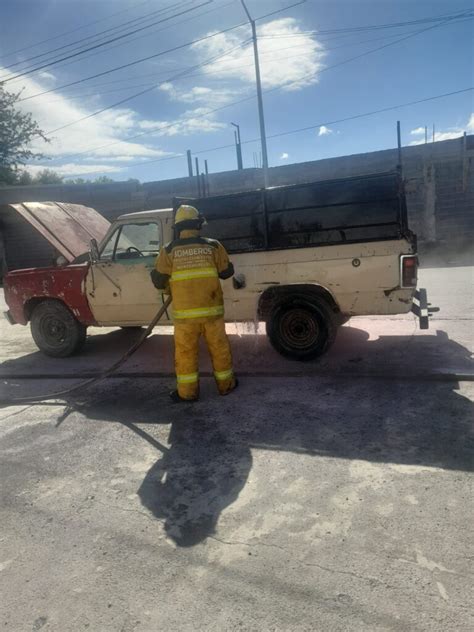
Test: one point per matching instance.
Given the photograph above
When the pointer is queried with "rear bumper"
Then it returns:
(9, 317)
(422, 309)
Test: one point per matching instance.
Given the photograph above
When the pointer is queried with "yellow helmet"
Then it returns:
(186, 213)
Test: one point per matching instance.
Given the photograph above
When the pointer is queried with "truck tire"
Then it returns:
(55, 330)
(302, 329)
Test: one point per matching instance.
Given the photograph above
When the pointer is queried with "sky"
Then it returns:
(321, 61)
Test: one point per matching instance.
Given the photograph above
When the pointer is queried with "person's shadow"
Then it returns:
(336, 411)
(203, 472)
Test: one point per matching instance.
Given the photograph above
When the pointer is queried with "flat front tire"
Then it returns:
(55, 330)
(302, 329)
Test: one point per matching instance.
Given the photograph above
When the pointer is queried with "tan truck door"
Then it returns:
(118, 286)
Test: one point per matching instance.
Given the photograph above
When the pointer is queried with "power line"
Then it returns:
(151, 34)
(380, 111)
(334, 122)
(51, 39)
(373, 27)
(364, 54)
(153, 87)
(132, 63)
(304, 129)
(305, 77)
(119, 27)
(290, 6)
(218, 8)
(118, 37)
(262, 54)
(207, 74)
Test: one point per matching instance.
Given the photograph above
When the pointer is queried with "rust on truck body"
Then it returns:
(25, 287)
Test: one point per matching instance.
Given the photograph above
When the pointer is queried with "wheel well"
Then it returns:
(34, 302)
(276, 295)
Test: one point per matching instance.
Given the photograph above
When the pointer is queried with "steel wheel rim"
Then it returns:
(53, 330)
(299, 329)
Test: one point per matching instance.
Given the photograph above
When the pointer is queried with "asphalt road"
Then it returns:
(327, 496)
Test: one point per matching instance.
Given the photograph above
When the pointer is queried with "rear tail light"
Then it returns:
(408, 270)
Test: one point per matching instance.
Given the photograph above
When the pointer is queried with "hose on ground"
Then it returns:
(100, 376)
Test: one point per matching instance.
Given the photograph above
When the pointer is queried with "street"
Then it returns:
(331, 495)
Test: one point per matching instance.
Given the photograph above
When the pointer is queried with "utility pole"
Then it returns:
(399, 143)
(263, 137)
(198, 177)
(238, 146)
(190, 163)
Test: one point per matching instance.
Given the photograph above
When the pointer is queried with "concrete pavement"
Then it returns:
(326, 496)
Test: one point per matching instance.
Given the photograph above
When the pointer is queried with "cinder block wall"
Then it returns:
(439, 184)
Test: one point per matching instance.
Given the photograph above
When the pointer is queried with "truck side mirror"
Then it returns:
(94, 251)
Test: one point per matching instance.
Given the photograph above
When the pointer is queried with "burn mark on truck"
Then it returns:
(393, 289)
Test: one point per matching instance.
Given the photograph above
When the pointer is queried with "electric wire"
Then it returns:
(149, 89)
(300, 129)
(132, 63)
(141, 37)
(53, 63)
(209, 73)
(286, 85)
(206, 37)
(97, 35)
(78, 28)
(72, 55)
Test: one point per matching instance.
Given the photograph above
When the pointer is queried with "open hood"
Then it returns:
(68, 227)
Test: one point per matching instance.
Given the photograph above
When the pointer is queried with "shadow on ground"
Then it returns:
(208, 455)
(433, 352)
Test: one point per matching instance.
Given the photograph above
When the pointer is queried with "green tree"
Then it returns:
(24, 178)
(47, 176)
(102, 180)
(17, 130)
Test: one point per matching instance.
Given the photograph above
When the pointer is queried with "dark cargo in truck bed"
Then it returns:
(348, 210)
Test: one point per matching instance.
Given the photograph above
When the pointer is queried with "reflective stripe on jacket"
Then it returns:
(192, 265)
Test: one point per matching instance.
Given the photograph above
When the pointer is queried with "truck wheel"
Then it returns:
(55, 330)
(302, 329)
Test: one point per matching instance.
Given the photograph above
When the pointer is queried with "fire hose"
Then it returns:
(100, 376)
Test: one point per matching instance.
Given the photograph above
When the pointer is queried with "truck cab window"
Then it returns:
(132, 242)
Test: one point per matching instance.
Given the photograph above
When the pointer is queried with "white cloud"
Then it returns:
(324, 131)
(53, 110)
(195, 121)
(449, 134)
(47, 76)
(75, 169)
(199, 94)
(418, 131)
(283, 59)
(284, 156)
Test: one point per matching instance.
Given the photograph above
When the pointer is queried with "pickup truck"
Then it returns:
(307, 258)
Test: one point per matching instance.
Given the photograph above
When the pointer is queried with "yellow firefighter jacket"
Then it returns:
(193, 265)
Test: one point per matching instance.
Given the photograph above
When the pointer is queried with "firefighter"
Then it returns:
(191, 267)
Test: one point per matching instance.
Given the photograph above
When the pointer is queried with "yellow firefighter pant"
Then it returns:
(186, 347)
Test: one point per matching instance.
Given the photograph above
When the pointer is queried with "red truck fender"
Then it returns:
(24, 289)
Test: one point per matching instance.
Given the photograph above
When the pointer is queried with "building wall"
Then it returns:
(439, 184)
